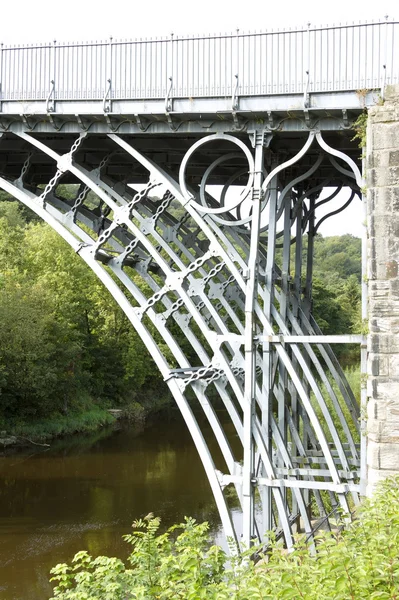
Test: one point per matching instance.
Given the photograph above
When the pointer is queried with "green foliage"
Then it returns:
(39, 355)
(356, 563)
(336, 290)
(360, 126)
(337, 257)
(65, 346)
(135, 413)
(60, 424)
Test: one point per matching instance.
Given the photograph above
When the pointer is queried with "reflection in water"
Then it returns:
(84, 493)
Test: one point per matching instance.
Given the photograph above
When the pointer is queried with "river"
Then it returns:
(85, 491)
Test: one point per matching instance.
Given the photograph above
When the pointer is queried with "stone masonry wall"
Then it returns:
(382, 177)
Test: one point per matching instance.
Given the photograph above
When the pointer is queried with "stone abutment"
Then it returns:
(382, 176)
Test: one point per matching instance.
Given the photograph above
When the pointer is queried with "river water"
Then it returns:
(84, 493)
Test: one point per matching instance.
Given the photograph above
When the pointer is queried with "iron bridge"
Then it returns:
(209, 158)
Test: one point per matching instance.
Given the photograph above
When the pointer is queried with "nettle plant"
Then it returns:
(360, 562)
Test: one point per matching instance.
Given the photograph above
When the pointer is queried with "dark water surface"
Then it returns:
(84, 493)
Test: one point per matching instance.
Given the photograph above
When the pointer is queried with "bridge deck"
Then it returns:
(194, 83)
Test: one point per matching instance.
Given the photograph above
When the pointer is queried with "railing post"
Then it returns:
(110, 51)
(50, 101)
(54, 61)
(107, 101)
(169, 86)
(384, 63)
(307, 70)
(235, 84)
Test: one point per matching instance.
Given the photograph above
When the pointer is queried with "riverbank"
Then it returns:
(42, 431)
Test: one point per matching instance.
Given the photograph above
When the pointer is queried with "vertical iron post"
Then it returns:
(248, 487)
(267, 356)
(283, 379)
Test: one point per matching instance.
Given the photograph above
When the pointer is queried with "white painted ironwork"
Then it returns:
(247, 322)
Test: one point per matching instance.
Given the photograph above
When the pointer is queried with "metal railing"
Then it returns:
(311, 59)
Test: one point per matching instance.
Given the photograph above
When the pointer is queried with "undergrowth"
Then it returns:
(361, 562)
(59, 424)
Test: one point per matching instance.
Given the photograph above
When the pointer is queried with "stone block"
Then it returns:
(383, 456)
(383, 176)
(379, 158)
(395, 198)
(382, 227)
(394, 158)
(379, 289)
(381, 201)
(391, 268)
(371, 251)
(378, 365)
(383, 432)
(394, 325)
(372, 269)
(391, 94)
(394, 287)
(371, 195)
(384, 343)
(376, 414)
(392, 419)
(393, 242)
(386, 270)
(384, 136)
(394, 367)
(371, 387)
(388, 391)
(393, 175)
(383, 408)
(394, 226)
(384, 116)
(374, 343)
(373, 454)
(374, 325)
(382, 308)
(379, 324)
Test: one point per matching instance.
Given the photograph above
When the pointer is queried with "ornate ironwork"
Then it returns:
(233, 280)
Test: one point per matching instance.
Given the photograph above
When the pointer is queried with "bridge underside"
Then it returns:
(204, 236)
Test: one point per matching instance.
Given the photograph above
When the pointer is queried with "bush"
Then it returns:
(358, 563)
